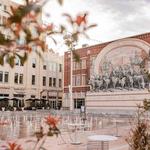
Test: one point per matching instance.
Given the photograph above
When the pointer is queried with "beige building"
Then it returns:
(39, 78)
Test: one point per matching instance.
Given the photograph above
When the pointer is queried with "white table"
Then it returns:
(75, 126)
(102, 140)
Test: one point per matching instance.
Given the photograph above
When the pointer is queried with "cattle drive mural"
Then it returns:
(121, 69)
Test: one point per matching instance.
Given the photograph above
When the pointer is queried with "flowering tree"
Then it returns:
(52, 123)
(27, 32)
(12, 146)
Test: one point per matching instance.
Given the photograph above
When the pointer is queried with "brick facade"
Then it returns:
(87, 53)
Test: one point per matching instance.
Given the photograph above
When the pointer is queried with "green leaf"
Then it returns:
(3, 40)
(2, 55)
(60, 2)
(11, 60)
(23, 59)
(75, 36)
(22, 11)
(62, 29)
(76, 56)
(28, 35)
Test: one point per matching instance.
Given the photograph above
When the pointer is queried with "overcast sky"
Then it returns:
(115, 18)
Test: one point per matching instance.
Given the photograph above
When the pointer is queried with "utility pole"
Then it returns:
(71, 97)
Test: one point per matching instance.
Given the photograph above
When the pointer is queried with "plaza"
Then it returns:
(93, 95)
(23, 125)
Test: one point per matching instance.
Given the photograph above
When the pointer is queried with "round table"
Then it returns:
(102, 141)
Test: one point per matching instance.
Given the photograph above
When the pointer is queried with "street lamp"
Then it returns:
(71, 45)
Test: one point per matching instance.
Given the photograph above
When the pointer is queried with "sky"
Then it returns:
(114, 18)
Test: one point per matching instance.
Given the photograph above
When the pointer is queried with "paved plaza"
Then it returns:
(23, 134)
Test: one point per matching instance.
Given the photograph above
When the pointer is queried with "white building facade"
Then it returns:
(41, 77)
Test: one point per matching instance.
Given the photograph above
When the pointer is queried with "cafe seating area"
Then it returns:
(16, 104)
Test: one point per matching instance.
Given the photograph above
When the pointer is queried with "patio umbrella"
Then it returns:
(15, 101)
(44, 99)
(36, 99)
(30, 99)
(4, 102)
(32, 104)
(4, 99)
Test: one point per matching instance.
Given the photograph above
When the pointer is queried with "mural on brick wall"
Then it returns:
(122, 68)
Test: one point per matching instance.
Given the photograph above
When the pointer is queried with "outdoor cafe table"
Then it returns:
(75, 126)
(102, 140)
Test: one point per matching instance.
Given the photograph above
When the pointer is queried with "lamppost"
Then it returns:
(71, 45)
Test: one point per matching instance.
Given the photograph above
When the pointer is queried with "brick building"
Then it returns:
(83, 70)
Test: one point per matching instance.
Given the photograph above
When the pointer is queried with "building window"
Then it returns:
(50, 81)
(6, 77)
(60, 83)
(78, 103)
(33, 63)
(73, 80)
(60, 67)
(16, 78)
(33, 79)
(78, 80)
(83, 79)
(4, 95)
(44, 67)
(32, 96)
(1, 76)
(44, 81)
(21, 79)
(83, 64)
(18, 95)
(18, 62)
(77, 65)
(54, 82)
(5, 7)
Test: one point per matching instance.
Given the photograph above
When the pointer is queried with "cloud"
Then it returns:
(115, 18)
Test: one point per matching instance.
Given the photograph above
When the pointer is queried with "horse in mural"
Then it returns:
(106, 82)
(129, 81)
(122, 82)
(95, 83)
(139, 81)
